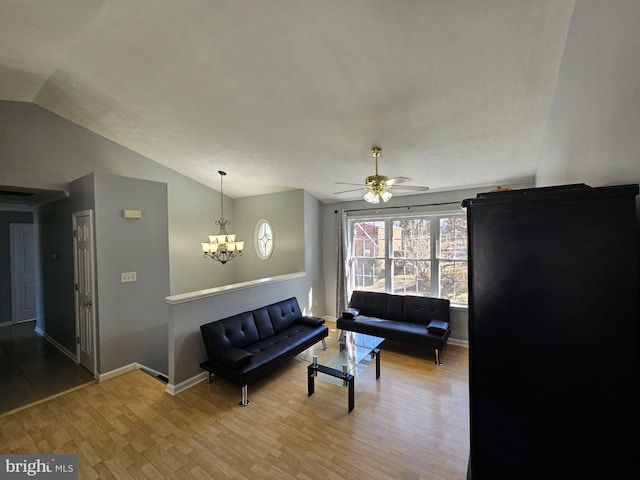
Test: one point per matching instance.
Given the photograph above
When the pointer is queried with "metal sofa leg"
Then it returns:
(209, 377)
(438, 362)
(341, 335)
(324, 344)
(245, 399)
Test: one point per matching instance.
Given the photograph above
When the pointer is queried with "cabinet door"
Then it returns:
(553, 339)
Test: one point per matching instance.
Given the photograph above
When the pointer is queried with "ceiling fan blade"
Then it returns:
(347, 191)
(410, 187)
(345, 183)
(396, 180)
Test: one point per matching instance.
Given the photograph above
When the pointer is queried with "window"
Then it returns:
(420, 255)
(263, 239)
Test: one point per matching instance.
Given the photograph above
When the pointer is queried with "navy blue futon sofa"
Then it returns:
(247, 346)
(404, 318)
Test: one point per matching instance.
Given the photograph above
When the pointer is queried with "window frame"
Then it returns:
(258, 240)
(435, 259)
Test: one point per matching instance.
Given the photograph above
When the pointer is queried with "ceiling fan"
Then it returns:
(379, 186)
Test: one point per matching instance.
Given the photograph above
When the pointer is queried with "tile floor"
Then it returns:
(32, 369)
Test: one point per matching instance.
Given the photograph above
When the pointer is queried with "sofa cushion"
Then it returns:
(284, 314)
(372, 304)
(408, 332)
(395, 307)
(271, 352)
(424, 309)
(391, 329)
(263, 322)
(236, 331)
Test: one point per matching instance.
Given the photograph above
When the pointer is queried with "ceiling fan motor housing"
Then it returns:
(376, 179)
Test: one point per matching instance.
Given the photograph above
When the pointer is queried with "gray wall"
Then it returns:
(43, 150)
(285, 211)
(132, 316)
(314, 262)
(7, 217)
(593, 133)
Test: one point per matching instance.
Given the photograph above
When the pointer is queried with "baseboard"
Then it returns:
(53, 342)
(117, 372)
(129, 368)
(182, 386)
(151, 371)
(460, 343)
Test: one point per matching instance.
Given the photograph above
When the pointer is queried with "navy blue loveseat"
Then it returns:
(404, 318)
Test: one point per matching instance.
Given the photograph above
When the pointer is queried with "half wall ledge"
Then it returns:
(210, 292)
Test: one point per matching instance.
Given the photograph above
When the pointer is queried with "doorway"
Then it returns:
(23, 272)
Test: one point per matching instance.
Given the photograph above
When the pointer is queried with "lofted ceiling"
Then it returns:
(292, 94)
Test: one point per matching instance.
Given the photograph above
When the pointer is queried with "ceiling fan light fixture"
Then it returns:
(386, 195)
(378, 186)
(372, 197)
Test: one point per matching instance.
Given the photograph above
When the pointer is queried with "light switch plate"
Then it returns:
(128, 277)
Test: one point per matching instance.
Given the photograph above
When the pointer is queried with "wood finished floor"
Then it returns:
(410, 424)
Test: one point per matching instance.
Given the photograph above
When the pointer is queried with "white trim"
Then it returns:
(117, 372)
(463, 307)
(188, 383)
(53, 342)
(210, 292)
(151, 371)
(92, 280)
(126, 369)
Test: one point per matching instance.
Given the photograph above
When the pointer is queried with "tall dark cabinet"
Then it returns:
(554, 366)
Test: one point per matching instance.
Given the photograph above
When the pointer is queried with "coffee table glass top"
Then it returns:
(355, 352)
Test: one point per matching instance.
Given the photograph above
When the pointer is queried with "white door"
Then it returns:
(84, 289)
(23, 272)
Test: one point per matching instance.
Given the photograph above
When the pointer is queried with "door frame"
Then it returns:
(74, 221)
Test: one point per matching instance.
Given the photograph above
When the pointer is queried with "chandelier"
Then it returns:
(223, 246)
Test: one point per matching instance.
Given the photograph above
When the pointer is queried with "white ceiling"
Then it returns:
(289, 94)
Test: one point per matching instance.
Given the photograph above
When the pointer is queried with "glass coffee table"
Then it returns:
(339, 362)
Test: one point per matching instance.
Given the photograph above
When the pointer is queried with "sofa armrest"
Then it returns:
(234, 357)
(438, 327)
(311, 321)
(350, 313)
